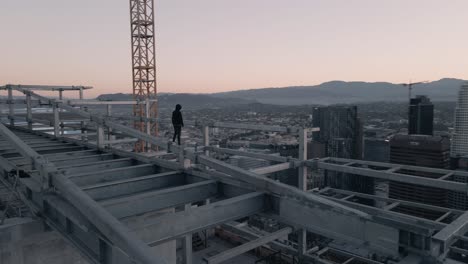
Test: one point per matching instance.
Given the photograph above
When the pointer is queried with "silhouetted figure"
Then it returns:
(177, 122)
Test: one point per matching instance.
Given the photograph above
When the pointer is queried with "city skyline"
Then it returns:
(355, 150)
(211, 46)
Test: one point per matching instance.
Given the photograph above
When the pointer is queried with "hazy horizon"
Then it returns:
(211, 46)
(291, 86)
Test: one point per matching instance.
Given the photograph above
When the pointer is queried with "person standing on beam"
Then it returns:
(177, 122)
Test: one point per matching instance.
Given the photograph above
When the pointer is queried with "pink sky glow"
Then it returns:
(218, 45)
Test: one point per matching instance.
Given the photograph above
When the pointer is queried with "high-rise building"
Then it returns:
(420, 150)
(460, 134)
(420, 116)
(376, 149)
(459, 150)
(341, 133)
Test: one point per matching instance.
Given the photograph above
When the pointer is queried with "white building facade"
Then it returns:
(460, 134)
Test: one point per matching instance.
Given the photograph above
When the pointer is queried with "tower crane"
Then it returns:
(144, 68)
(410, 87)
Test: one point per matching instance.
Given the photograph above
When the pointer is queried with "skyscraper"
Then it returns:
(342, 134)
(420, 150)
(459, 150)
(376, 149)
(340, 131)
(460, 134)
(420, 116)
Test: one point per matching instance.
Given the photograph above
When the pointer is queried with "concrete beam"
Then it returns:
(26, 88)
(244, 248)
(396, 167)
(160, 199)
(86, 179)
(47, 144)
(233, 227)
(273, 168)
(96, 166)
(380, 237)
(120, 141)
(95, 102)
(391, 201)
(457, 228)
(269, 157)
(17, 101)
(73, 161)
(195, 219)
(271, 186)
(105, 122)
(110, 227)
(398, 220)
(114, 230)
(68, 210)
(24, 149)
(134, 185)
(43, 150)
(399, 177)
(260, 127)
(70, 155)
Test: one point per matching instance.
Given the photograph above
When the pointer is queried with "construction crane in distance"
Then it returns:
(144, 68)
(410, 87)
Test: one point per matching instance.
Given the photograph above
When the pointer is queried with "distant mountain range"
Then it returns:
(337, 92)
(334, 92)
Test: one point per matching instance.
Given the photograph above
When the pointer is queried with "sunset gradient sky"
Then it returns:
(220, 45)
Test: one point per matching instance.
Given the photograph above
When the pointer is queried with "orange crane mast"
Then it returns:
(144, 68)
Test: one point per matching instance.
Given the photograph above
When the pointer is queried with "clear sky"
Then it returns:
(219, 45)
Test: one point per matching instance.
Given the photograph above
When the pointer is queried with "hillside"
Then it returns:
(336, 92)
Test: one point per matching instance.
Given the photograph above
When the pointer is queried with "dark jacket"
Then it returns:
(177, 119)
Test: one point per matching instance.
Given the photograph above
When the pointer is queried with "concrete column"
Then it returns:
(147, 121)
(82, 123)
(81, 94)
(302, 184)
(187, 243)
(210, 232)
(100, 137)
(206, 141)
(11, 107)
(109, 130)
(29, 111)
(84, 132)
(206, 138)
(62, 125)
(186, 163)
(56, 119)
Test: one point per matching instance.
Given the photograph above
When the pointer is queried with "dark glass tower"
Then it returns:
(340, 131)
(425, 151)
(421, 116)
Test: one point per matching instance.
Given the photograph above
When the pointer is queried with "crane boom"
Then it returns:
(410, 87)
(143, 66)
